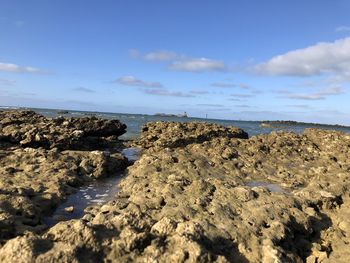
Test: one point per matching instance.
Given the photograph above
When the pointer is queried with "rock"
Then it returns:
(344, 225)
(326, 194)
(176, 134)
(198, 189)
(37, 172)
(69, 209)
(311, 259)
(87, 217)
(105, 209)
(34, 181)
(30, 129)
(164, 227)
(23, 249)
(188, 198)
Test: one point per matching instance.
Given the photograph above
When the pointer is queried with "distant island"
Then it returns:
(184, 115)
(279, 123)
(62, 112)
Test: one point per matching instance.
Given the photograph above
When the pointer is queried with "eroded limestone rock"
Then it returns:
(176, 134)
(30, 129)
(189, 200)
(35, 179)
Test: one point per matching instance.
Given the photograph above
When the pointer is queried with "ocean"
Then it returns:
(134, 122)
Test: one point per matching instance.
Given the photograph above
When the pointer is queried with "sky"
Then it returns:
(236, 60)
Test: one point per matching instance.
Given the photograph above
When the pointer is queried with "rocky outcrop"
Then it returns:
(177, 134)
(33, 181)
(281, 197)
(30, 129)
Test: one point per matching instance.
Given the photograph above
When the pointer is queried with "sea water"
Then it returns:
(134, 122)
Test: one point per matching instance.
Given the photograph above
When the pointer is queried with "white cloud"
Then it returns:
(198, 65)
(319, 95)
(223, 85)
(161, 55)
(323, 58)
(83, 89)
(210, 105)
(300, 106)
(168, 93)
(133, 81)
(229, 85)
(243, 95)
(244, 106)
(199, 92)
(9, 67)
(181, 62)
(342, 29)
(218, 109)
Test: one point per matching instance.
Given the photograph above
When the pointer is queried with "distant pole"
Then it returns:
(206, 116)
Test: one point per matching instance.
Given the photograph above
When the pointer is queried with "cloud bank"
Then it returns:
(319, 95)
(161, 55)
(198, 65)
(133, 81)
(342, 29)
(83, 89)
(229, 85)
(14, 68)
(167, 93)
(322, 58)
(178, 62)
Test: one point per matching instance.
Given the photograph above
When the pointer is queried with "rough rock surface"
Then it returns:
(30, 129)
(200, 201)
(35, 180)
(176, 134)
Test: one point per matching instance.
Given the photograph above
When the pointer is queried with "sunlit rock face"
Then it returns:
(39, 167)
(198, 195)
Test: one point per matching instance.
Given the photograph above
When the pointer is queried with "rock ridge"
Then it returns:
(189, 199)
(40, 164)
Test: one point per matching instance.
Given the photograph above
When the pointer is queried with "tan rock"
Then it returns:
(69, 209)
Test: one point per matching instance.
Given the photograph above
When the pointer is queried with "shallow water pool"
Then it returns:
(96, 192)
(270, 186)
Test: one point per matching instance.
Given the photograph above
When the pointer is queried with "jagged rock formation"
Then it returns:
(34, 180)
(30, 129)
(177, 134)
(281, 197)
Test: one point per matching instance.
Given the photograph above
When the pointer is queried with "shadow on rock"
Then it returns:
(223, 247)
(302, 240)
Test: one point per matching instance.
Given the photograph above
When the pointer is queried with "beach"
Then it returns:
(190, 191)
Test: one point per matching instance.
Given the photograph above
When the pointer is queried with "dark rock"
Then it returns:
(30, 129)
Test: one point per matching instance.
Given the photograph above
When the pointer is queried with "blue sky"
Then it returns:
(249, 60)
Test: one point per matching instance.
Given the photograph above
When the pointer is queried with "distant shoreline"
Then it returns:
(271, 123)
(283, 123)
